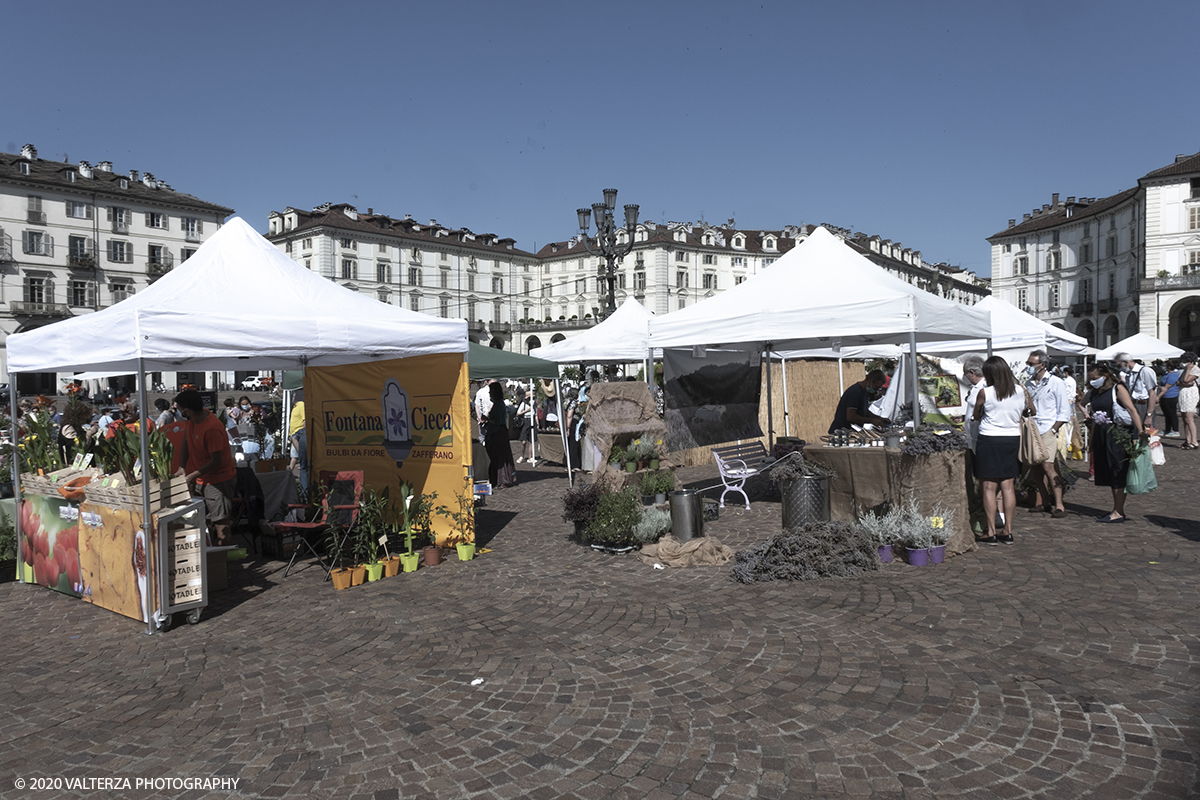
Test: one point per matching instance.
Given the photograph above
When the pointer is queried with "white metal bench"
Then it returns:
(737, 463)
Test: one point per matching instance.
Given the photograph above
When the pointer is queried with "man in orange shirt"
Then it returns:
(207, 461)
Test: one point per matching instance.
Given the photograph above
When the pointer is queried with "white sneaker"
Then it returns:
(1172, 434)
(520, 459)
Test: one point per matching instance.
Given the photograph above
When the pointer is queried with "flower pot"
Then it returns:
(654, 462)
(433, 556)
(391, 566)
(466, 551)
(375, 571)
(917, 556)
(937, 554)
(660, 498)
(358, 574)
(641, 463)
(631, 466)
(341, 578)
(409, 561)
(885, 553)
(603, 548)
(647, 499)
(581, 532)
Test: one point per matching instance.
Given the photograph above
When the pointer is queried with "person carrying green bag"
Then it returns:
(1113, 418)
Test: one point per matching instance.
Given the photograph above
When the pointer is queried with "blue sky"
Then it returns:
(926, 123)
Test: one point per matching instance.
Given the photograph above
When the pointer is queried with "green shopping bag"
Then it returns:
(1141, 474)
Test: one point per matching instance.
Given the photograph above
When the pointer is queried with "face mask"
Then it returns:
(245, 407)
(1097, 383)
(1028, 372)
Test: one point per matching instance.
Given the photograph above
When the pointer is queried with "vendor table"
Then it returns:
(869, 477)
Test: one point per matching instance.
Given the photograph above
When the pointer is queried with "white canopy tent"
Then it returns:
(236, 299)
(1015, 330)
(622, 338)
(820, 294)
(1140, 345)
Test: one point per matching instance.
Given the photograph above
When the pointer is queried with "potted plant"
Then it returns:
(883, 531)
(611, 530)
(421, 510)
(462, 525)
(915, 534)
(655, 456)
(941, 530)
(651, 525)
(408, 559)
(646, 487)
(579, 507)
(663, 483)
(335, 547)
(373, 527)
(616, 456)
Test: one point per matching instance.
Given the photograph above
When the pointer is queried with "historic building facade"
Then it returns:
(520, 300)
(76, 238)
(1106, 268)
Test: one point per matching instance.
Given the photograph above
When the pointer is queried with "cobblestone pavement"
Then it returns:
(1064, 666)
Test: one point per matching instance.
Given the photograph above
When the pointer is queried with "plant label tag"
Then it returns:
(383, 539)
(936, 522)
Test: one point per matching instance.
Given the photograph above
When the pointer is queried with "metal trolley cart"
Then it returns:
(182, 562)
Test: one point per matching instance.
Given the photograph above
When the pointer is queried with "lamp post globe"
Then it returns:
(604, 244)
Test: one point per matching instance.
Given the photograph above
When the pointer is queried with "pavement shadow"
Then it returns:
(1187, 528)
(489, 523)
(252, 577)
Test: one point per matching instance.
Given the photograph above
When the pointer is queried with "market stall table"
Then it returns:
(870, 477)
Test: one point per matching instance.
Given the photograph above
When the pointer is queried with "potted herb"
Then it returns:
(915, 534)
(579, 507)
(462, 525)
(611, 530)
(941, 531)
(883, 531)
(651, 525)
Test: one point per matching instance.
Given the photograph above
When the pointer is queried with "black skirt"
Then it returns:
(996, 457)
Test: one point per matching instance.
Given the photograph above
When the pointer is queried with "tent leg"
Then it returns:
(787, 428)
(841, 378)
(532, 426)
(770, 405)
(15, 468)
(562, 429)
(916, 384)
(147, 473)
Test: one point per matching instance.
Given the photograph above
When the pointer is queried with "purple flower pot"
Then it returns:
(917, 557)
(937, 554)
(885, 553)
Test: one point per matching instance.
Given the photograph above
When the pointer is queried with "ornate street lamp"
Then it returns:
(604, 244)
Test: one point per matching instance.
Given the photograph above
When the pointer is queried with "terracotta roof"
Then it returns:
(53, 174)
(381, 224)
(1058, 216)
(1184, 166)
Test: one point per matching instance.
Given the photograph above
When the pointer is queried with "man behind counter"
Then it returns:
(854, 407)
(207, 461)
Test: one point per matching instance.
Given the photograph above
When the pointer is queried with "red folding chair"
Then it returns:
(339, 510)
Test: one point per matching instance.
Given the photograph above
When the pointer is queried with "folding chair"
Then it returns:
(339, 510)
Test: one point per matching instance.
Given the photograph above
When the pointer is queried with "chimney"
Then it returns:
(29, 152)
(133, 174)
(1178, 158)
(1026, 218)
(1045, 206)
(104, 166)
(1012, 223)
(85, 169)
(1070, 199)
(148, 180)
(370, 211)
(432, 222)
(1054, 199)
(408, 217)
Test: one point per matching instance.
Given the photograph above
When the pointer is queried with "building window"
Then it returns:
(1087, 229)
(739, 261)
(348, 244)
(710, 259)
(37, 243)
(527, 312)
(681, 256)
(381, 249)
(83, 294)
(1193, 265)
(1112, 285)
(443, 256)
(193, 229)
(120, 291)
(187, 252)
(383, 272)
(497, 284)
(23, 168)
(1194, 219)
(639, 281)
(528, 286)
(349, 269)
(159, 256)
(1023, 299)
(768, 262)
(445, 279)
(1110, 247)
(382, 295)
(1054, 295)
(414, 276)
(1024, 242)
(38, 290)
(738, 280)
(1054, 260)
(79, 252)
(1085, 290)
(1195, 188)
(77, 209)
(497, 312)
(580, 285)
(444, 307)
(307, 244)
(470, 281)
(414, 302)
(1022, 266)
(620, 280)
(287, 247)
(710, 280)
(156, 220)
(1054, 237)
(1085, 253)
(547, 290)
(1008, 248)
(739, 242)
(35, 215)
(681, 279)
(682, 303)
(470, 310)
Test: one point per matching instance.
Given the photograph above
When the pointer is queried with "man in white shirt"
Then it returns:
(1053, 405)
(1142, 383)
(483, 404)
(973, 374)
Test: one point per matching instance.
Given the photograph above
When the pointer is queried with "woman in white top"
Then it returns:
(1189, 398)
(998, 411)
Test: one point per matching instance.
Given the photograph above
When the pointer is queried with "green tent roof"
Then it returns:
(489, 362)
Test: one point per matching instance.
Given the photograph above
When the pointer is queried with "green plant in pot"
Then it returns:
(616, 457)
(651, 525)
(662, 482)
(420, 521)
(882, 529)
(579, 507)
(408, 558)
(335, 548)
(370, 525)
(462, 525)
(617, 513)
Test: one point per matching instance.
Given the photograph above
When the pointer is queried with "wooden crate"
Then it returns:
(163, 494)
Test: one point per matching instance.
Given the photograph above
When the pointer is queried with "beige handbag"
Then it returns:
(1032, 450)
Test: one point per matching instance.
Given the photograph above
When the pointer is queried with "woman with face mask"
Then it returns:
(1110, 407)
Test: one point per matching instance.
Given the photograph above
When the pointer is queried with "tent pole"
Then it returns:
(787, 429)
(916, 384)
(15, 468)
(841, 378)
(532, 425)
(770, 407)
(989, 347)
(147, 520)
(562, 429)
